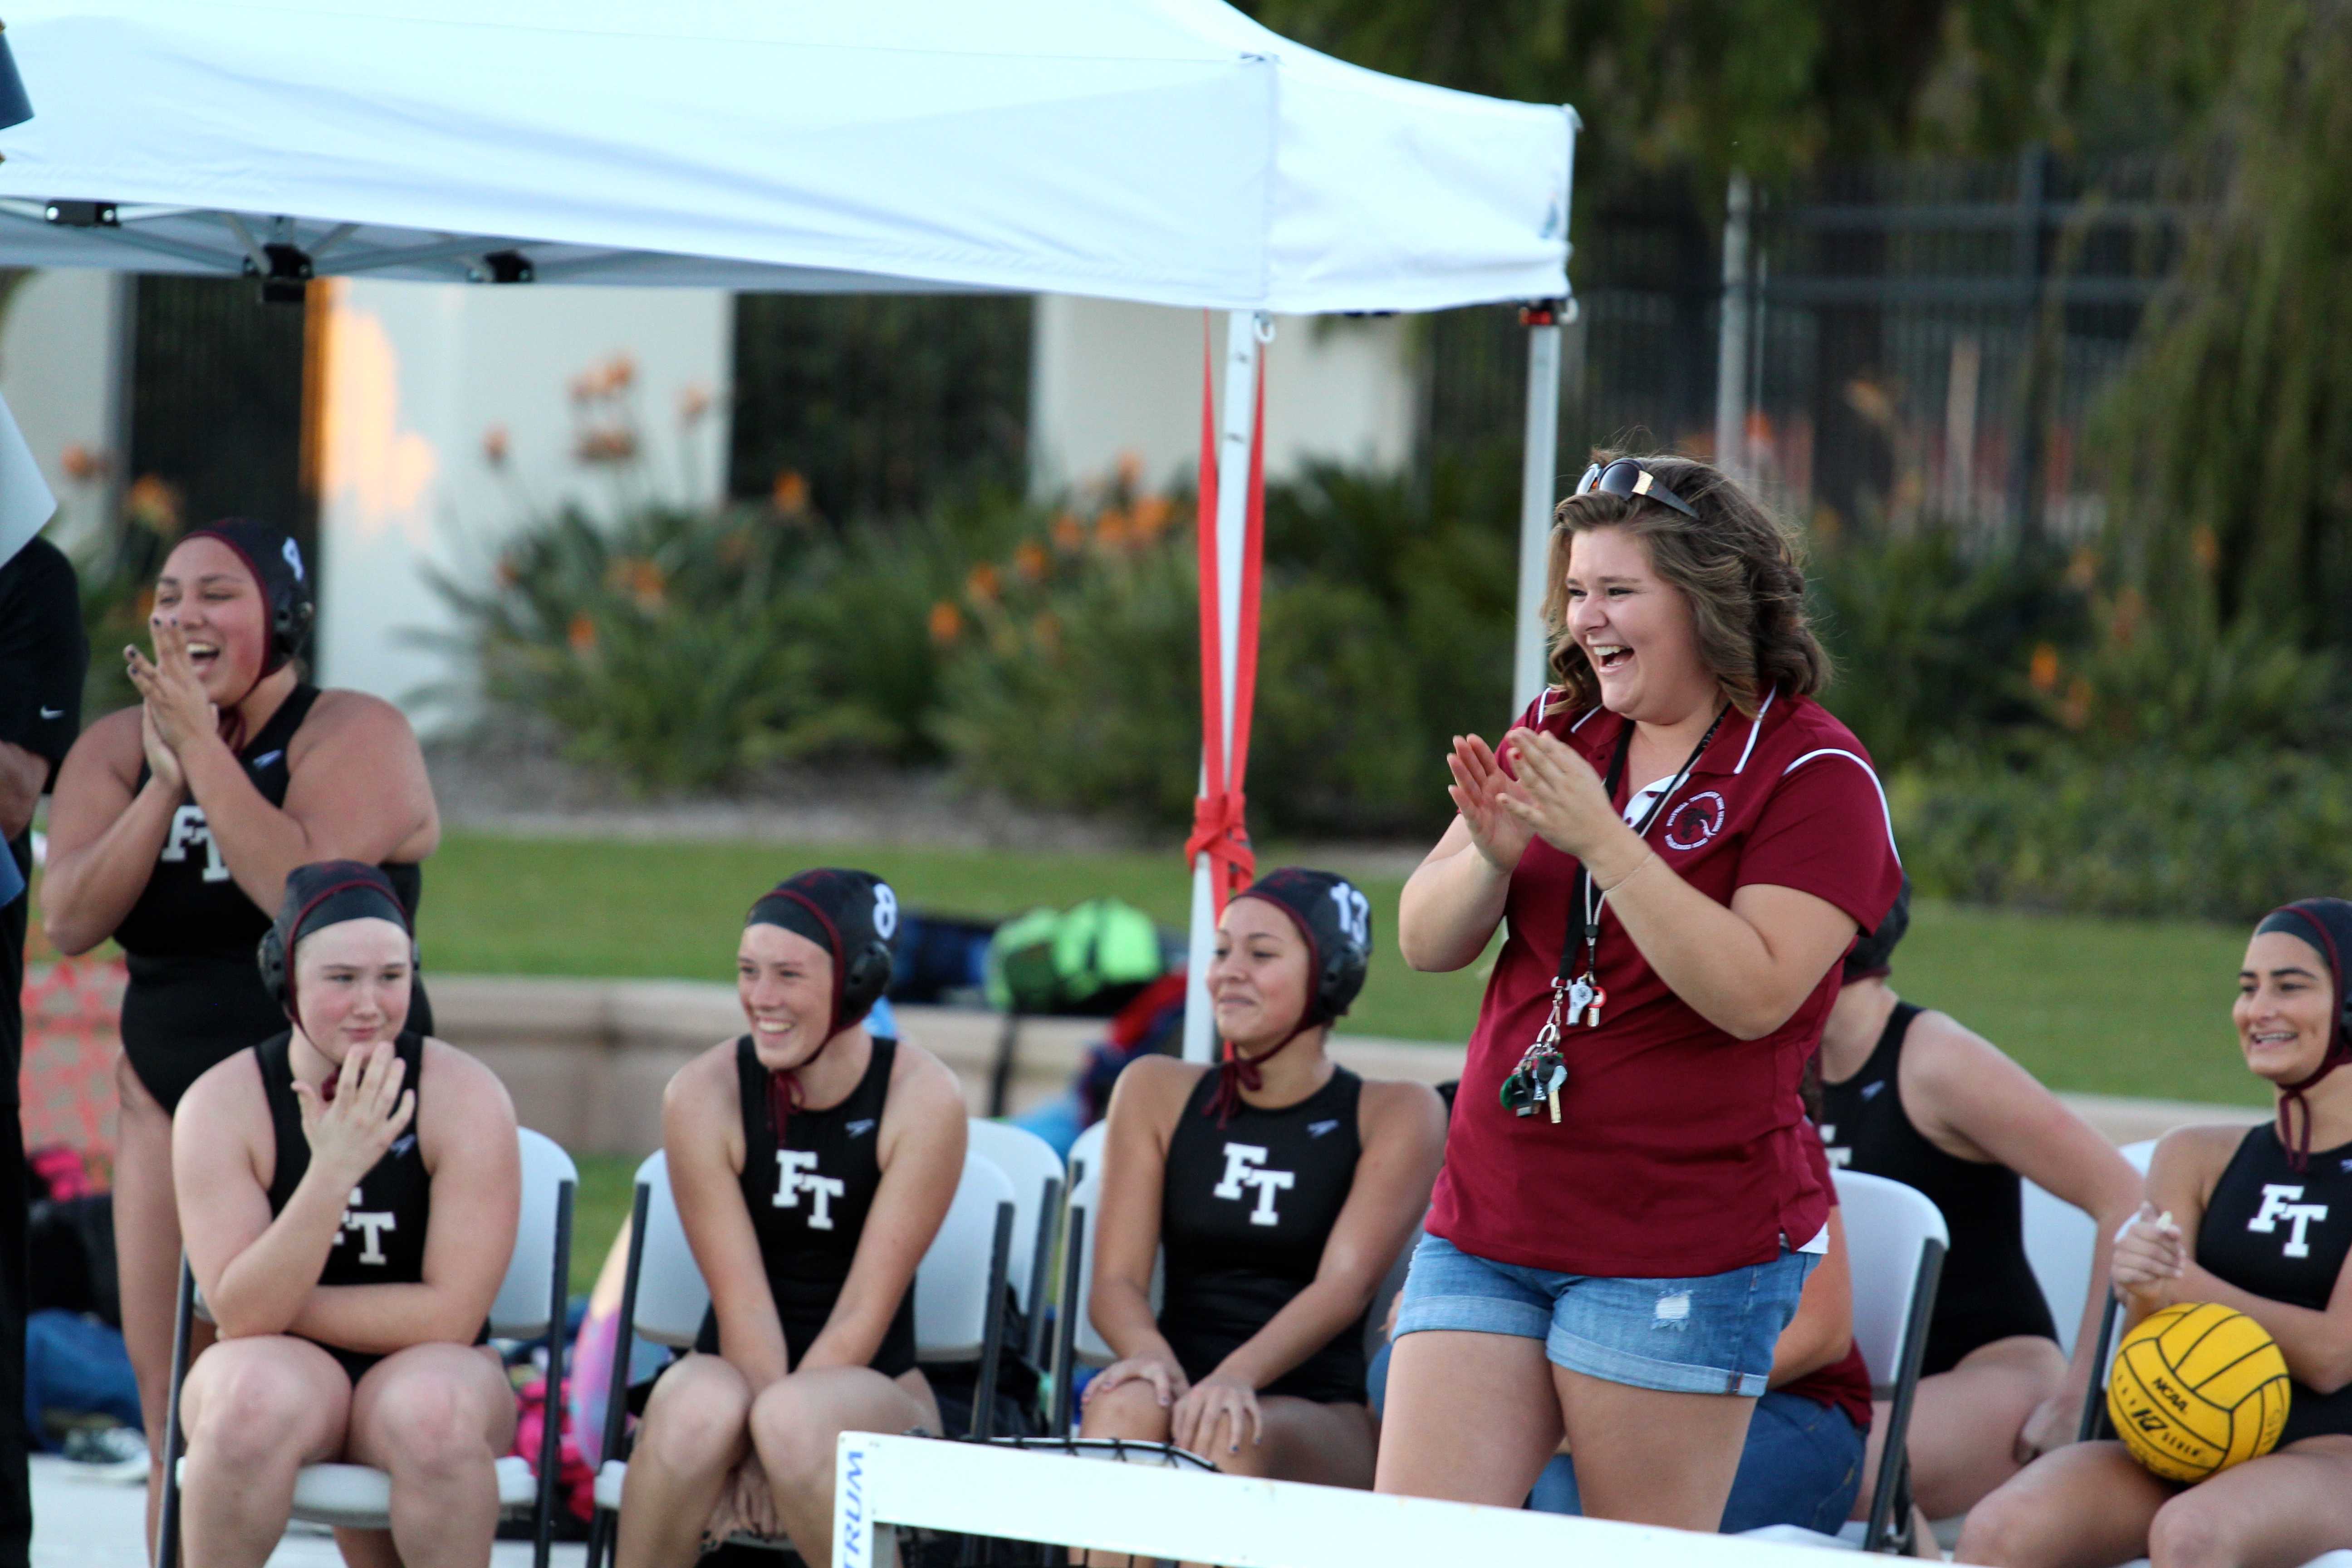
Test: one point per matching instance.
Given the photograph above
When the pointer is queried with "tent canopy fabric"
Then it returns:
(1171, 151)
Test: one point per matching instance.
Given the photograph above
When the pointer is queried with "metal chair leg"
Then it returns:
(551, 1435)
(603, 1523)
(167, 1530)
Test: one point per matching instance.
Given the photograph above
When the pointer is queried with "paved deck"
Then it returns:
(79, 1523)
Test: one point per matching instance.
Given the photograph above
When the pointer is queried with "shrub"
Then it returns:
(2142, 832)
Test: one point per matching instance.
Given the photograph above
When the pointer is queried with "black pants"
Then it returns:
(15, 1482)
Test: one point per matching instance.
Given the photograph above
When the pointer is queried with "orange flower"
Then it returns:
(508, 575)
(642, 580)
(2204, 547)
(494, 446)
(2044, 671)
(1130, 471)
(2075, 711)
(1029, 559)
(1151, 515)
(791, 495)
(81, 465)
(619, 372)
(1046, 633)
(582, 635)
(693, 403)
(606, 444)
(982, 586)
(1112, 529)
(2124, 626)
(1069, 534)
(154, 503)
(947, 622)
(144, 606)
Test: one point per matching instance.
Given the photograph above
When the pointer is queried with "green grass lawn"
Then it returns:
(2109, 1005)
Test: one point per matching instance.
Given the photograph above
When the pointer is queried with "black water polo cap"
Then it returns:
(1336, 919)
(853, 916)
(1872, 954)
(324, 893)
(276, 564)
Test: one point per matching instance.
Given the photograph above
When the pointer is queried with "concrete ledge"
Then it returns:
(586, 1060)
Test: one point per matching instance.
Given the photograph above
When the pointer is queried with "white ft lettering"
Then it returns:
(2277, 1207)
(370, 1224)
(190, 829)
(795, 1174)
(1245, 1167)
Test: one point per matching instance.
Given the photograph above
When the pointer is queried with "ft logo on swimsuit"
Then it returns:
(1244, 1165)
(371, 1224)
(2277, 1206)
(795, 1174)
(189, 830)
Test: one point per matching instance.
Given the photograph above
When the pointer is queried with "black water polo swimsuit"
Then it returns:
(387, 1217)
(1245, 1210)
(1989, 1291)
(809, 1196)
(195, 998)
(2277, 1232)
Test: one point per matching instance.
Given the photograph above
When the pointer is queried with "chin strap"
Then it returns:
(2297, 1139)
(1237, 1072)
(784, 1093)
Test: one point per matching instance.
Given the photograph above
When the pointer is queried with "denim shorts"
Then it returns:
(1710, 1334)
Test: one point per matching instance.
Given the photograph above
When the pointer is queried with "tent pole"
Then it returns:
(1732, 335)
(1539, 481)
(1244, 332)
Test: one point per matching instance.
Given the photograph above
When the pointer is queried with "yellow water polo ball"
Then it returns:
(2196, 1388)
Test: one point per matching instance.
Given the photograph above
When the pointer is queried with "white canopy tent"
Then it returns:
(1168, 151)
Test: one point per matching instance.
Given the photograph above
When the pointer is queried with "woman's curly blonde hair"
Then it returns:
(1741, 571)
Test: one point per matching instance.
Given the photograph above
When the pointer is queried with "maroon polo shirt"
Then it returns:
(1680, 1150)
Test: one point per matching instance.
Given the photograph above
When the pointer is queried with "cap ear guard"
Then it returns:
(271, 956)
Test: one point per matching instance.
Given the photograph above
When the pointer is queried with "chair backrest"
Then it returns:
(1887, 1228)
(1029, 1162)
(1089, 1346)
(1087, 1150)
(2061, 1244)
(520, 1310)
(671, 1297)
(952, 1282)
(2139, 1154)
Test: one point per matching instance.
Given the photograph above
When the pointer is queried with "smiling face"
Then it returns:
(351, 985)
(1257, 985)
(208, 589)
(2286, 1008)
(1635, 627)
(785, 984)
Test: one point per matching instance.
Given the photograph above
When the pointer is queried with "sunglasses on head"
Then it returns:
(1627, 478)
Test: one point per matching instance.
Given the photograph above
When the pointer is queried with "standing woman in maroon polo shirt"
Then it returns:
(1682, 843)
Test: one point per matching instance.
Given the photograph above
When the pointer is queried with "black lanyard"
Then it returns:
(1582, 901)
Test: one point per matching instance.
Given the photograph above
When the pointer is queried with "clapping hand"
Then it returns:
(349, 1133)
(1557, 795)
(2150, 1254)
(1478, 787)
(176, 704)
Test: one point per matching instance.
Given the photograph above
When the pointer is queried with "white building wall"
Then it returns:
(60, 343)
(1109, 379)
(418, 378)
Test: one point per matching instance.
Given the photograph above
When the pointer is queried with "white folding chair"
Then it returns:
(1037, 1184)
(1087, 1150)
(1895, 1238)
(529, 1305)
(1076, 1342)
(960, 1295)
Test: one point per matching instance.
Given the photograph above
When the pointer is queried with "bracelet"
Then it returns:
(1648, 855)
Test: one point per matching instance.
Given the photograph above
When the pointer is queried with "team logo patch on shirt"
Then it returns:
(1694, 821)
(267, 758)
(1245, 1167)
(1870, 1091)
(795, 1174)
(2279, 1204)
(860, 1127)
(1317, 1128)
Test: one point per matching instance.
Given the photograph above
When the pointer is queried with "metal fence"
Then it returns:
(1910, 341)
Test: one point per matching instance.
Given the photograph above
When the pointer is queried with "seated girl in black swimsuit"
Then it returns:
(811, 1163)
(348, 1189)
(1918, 1097)
(2270, 1212)
(1282, 1187)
